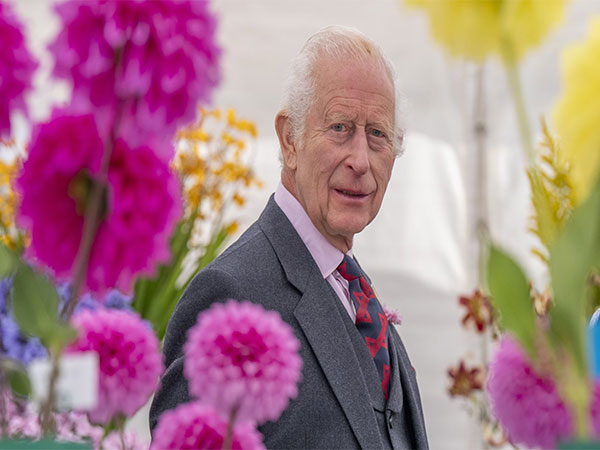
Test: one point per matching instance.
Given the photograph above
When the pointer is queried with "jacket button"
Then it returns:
(390, 415)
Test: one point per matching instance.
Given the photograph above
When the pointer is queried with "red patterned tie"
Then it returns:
(370, 318)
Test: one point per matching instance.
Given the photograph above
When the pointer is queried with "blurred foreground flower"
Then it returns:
(140, 206)
(479, 310)
(243, 361)
(577, 113)
(16, 67)
(130, 361)
(194, 426)
(528, 404)
(156, 60)
(474, 29)
(465, 380)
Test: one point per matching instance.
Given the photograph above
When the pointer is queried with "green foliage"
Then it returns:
(552, 194)
(16, 376)
(510, 295)
(8, 261)
(35, 306)
(155, 298)
(573, 256)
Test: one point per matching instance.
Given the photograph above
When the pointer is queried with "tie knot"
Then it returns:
(349, 269)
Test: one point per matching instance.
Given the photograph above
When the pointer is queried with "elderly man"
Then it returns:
(339, 136)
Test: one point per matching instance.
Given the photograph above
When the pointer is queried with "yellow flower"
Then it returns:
(576, 115)
(475, 29)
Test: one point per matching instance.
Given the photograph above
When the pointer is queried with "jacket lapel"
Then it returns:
(322, 325)
(320, 321)
(409, 396)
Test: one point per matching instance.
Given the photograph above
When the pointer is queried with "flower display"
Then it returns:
(194, 425)
(526, 403)
(23, 422)
(464, 380)
(479, 310)
(474, 29)
(130, 362)
(576, 113)
(141, 207)
(239, 357)
(16, 67)
(155, 60)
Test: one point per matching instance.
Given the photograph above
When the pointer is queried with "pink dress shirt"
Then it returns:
(327, 257)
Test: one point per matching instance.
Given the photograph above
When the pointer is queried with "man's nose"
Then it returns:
(358, 160)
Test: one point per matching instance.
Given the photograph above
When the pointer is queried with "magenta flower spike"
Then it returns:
(526, 404)
(241, 357)
(16, 67)
(152, 60)
(143, 204)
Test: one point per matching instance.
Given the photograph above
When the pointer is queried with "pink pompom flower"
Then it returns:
(142, 205)
(155, 59)
(194, 425)
(240, 357)
(526, 404)
(16, 67)
(130, 362)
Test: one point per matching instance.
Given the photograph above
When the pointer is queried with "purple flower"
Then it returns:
(526, 404)
(239, 356)
(130, 362)
(194, 425)
(142, 204)
(154, 59)
(24, 348)
(16, 67)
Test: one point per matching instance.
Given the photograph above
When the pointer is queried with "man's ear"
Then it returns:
(287, 143)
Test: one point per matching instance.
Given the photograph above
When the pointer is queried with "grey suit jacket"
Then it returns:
(340, 404)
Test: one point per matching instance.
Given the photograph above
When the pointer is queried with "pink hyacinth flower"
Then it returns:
(526, 404)
(16, 67)
(142, 205)
(239, 356)
(130, 362)
(194, 426)
(154, 59)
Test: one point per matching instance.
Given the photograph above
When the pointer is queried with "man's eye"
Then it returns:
(377, 133)
(339, 127)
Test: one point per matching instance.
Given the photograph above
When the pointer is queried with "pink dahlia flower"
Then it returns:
(142, 207)
(156, 59)
(240, 356)
(16, 67)
(194, 425)
(526, 404)
(130, 362)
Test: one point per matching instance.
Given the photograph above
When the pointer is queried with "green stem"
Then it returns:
(512, 72)
(228, 440)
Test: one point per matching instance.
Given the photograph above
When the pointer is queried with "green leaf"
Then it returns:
(575, 252)
(17, 377)
(35, 304)
(8, 261)
(510, 294)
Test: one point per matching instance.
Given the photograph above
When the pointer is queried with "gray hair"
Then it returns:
(333, 42)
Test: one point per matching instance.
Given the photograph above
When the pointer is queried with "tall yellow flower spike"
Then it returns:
(476, 29)
(211, 163)
(576, 116)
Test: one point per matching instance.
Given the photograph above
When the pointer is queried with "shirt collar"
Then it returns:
(327, 257)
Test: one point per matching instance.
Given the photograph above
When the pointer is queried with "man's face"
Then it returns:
(344, 166)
